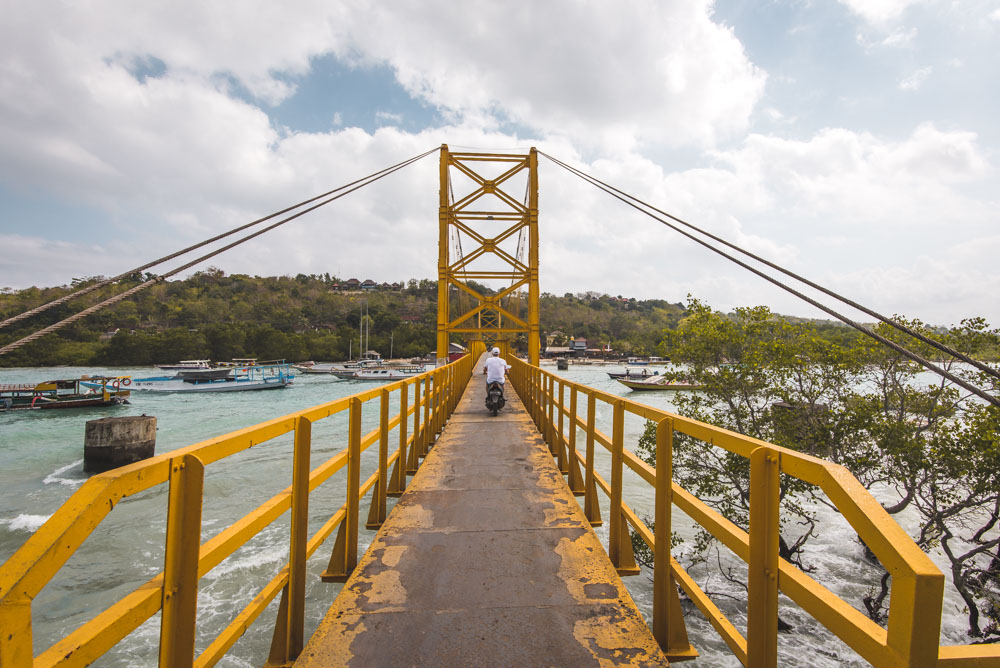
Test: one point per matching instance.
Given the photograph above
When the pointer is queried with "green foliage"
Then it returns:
(628, 325)
(215, 316)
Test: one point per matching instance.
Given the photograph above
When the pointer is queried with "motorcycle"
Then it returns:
(494, 397)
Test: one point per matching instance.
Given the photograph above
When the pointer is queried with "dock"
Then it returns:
(487, 560)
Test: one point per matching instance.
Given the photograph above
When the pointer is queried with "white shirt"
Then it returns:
(496, 368)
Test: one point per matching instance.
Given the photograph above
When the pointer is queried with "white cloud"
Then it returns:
(775, 115)
(995, 15)
(388, 118)
(897, 38)
(880, 12)
(619, 74)
(915, 79)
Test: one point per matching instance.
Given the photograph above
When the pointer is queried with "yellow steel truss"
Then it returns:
(489, 217)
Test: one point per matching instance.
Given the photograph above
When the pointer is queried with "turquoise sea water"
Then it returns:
(41, 465)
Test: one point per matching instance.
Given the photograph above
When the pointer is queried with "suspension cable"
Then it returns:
(943, 347)
(356, 185)
(165, 258)
(861, 328)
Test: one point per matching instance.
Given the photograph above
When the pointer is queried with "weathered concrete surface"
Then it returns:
(116, 441)
(486, 560)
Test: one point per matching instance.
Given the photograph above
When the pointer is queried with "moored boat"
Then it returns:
(660, 383)
(229, 379)
(185, 365)
(328, 369)
(345, 370)
(632, 374)
(388, 373)
(83, 392)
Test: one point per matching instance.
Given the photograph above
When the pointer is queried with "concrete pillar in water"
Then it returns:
(115, 441)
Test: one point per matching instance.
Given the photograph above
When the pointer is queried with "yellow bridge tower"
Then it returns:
(488, 236)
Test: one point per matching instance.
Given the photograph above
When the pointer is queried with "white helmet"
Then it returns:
(496, 352)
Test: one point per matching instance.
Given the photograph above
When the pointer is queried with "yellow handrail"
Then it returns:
(174, 591)
(914, 621)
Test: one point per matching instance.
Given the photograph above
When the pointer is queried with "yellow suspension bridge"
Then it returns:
(489, 557)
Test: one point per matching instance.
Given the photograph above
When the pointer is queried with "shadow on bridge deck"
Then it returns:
(486, 560)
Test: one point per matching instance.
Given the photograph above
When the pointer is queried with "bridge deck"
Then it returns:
(486, 560)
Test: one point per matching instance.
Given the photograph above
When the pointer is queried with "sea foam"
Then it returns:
(29, 523)
(54, 477)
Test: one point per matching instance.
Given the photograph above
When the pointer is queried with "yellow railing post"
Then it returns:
(615, 502)
(445, 395)
(299, 537)
(453, 392)
(550, 422)
(531, 381)
(288, 638)
(575, 481)
(413, 459)
(561, 439)
(398, 483)
(623, 557)
(180, 561)
(376, 512)
(762, 573)
(536, 392)
(591, 502)
(527, 381)
(439, 398)
(915, 619)
(448, 387)
(425, 433)
(662, 581)
(345, 551)
(668, 617)
(16, 643)
(432, 394)
(353, 484)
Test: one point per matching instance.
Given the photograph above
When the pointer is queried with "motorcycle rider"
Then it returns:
(495, 369)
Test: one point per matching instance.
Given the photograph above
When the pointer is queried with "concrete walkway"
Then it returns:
(486, 560)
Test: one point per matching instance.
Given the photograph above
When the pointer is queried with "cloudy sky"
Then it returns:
(855, 142)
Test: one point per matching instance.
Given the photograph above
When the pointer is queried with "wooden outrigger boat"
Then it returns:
(84, 392)
(633, 374)
(228, 379)
(661, 383)
(386, 373)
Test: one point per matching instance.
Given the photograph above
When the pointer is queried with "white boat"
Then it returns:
(334, 369)
(346, 370)
(186, 364)
(232, 379)
(387, 373)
